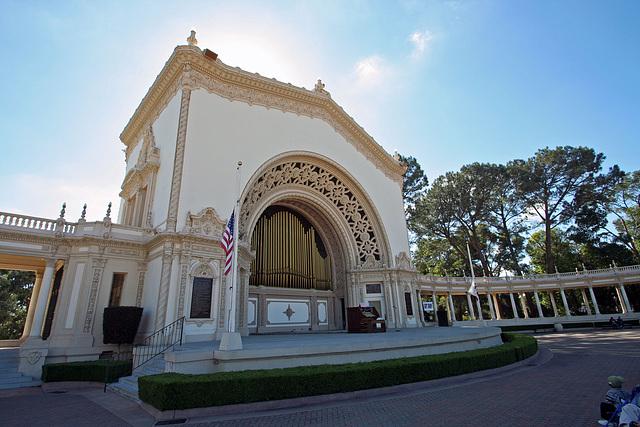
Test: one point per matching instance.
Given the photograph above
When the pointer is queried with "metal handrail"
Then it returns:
(148, 348)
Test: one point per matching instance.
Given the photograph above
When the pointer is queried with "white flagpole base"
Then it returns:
(231, 341)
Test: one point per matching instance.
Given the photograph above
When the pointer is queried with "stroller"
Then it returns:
(612, 413)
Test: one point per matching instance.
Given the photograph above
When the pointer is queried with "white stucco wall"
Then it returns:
(221, 132)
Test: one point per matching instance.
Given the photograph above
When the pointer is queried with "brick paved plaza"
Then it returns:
(564, 386)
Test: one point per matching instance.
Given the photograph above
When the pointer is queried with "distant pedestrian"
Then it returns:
(620, 322)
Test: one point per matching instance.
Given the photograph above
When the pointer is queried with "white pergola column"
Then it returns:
(552, 298)
(435, 305)
(452, 312)
(26, 331)
(471, 310)
(586, 300)
(525, 306)
(626, 306)
(493, 313)
(593, 297)
(43, 299)
(535, 294)
(564, 301)
(496, 304)
(513, 305)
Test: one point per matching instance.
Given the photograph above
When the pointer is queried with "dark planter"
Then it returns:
(120, 324)
(443, 320)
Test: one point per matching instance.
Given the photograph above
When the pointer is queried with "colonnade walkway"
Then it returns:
(563, 385)
(524, 295)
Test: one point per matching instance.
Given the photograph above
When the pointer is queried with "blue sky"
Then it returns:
(449, 82)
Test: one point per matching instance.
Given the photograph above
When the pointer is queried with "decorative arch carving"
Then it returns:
(330, 184)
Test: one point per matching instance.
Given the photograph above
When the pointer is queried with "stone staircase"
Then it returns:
(9, 375)
(128, 386)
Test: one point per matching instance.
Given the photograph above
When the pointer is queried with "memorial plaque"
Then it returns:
(201, 298)
(374, 288)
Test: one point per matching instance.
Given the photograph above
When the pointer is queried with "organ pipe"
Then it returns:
(289, 252)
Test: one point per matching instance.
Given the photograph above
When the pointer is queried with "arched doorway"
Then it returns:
(311, 191)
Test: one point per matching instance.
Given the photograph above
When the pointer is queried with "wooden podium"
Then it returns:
(364, 319)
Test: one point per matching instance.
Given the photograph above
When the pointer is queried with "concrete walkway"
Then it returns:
(563, 386)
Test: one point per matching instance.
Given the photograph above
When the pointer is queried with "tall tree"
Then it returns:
(15, 293)
(414, 182)
(555, 185)
(623, 202)
(508, 219)
(565, 252)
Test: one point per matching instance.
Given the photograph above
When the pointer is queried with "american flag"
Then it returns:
(227, 244)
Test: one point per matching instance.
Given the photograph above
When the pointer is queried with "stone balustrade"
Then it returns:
(34, 223)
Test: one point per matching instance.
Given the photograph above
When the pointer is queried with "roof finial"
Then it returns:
(192, 38)
(319, 87)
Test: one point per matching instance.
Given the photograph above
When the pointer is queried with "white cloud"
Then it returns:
(372, 72)
(420, 41)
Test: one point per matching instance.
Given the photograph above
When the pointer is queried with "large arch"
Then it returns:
(338, 208)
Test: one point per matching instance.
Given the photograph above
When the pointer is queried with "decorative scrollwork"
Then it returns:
(330, 186)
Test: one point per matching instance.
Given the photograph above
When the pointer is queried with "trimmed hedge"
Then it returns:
(182, 391)
(92, 370)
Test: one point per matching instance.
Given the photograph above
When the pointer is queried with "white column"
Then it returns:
(43, 299)
(564, 301)
(593, 297)
(471, 310)
(535, 293)
(525, 306)
(626, 306)
(496, 304)
(435, 305)
(513, 305)
(452, 312)
(552, 298)
(26, 331)
(586, 300)
(493, 313)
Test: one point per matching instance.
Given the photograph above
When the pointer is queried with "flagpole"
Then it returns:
(232, 340)
(234, 259)
(473, 281)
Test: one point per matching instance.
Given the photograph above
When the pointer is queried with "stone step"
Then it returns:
(128, 386)
(9, 375)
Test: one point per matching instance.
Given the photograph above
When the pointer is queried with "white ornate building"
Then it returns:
(321, 227)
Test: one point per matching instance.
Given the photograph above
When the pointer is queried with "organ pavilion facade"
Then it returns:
(321, 225)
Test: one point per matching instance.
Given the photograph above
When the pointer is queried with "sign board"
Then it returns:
(427, 305)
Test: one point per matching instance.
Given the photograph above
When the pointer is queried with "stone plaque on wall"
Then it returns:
(201, 298)
(374, 288)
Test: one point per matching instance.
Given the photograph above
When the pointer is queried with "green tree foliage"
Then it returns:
(555, 185)
(415, 182)
(475, 206)
(623, 202)
(15, 293)
(564, 251)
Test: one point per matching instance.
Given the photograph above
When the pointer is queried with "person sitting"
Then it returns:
(616, 395)
(620, 322)
(613, 323)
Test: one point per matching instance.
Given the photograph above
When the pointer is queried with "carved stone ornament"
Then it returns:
(404, 261)
(33, 356)
(318, 179)
(206, 223)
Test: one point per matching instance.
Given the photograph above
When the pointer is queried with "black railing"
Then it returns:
(148, 348)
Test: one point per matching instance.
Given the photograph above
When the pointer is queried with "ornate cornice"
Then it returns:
(188, 67)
